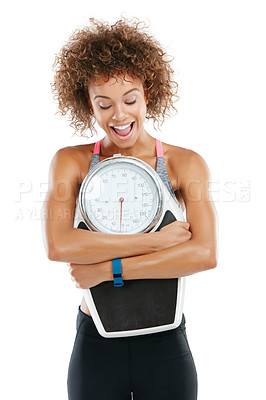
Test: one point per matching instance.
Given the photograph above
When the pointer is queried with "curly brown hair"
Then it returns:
(104, 50)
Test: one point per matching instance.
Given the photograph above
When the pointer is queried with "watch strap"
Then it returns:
(117, 272)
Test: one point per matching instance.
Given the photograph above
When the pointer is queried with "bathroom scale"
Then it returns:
(124, 195)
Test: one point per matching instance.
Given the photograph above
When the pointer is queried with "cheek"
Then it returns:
(140, 110)
(143, 111)
(99, 118)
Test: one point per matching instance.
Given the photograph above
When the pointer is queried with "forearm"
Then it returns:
(82, 247)
(181, 260)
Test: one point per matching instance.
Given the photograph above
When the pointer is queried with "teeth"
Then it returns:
(122, 127)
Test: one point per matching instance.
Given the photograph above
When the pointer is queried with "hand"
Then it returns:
(174, 233)
(88, 275)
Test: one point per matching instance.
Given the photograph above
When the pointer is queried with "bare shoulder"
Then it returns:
(74, 160)
(185, 163)
(74, 153)
(181, 154)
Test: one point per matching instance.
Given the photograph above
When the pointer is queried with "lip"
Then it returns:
(128, 136)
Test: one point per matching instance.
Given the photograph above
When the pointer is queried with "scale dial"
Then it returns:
(121, 195)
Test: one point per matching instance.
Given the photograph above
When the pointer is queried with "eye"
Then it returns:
(131, 102)
(104, 108)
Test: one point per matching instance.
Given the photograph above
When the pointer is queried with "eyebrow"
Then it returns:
(105, 97)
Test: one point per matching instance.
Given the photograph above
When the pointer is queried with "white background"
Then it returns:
(219, 50)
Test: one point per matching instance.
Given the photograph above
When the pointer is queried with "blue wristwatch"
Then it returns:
(117, 272)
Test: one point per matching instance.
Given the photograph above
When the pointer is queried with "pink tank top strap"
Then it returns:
(159, 148)
(97, 147)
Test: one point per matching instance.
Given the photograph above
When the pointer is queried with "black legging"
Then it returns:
(156, 366)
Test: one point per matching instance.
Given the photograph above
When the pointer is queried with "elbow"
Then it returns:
(209, 258)
(56, 245)
(60, 249)
(212, 263)
(53, 251)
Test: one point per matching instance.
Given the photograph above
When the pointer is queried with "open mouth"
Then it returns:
(123, 131)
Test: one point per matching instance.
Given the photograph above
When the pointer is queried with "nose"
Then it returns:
(119, 113)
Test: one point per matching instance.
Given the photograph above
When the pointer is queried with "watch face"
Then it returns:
(122, 195)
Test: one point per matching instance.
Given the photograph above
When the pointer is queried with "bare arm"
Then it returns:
(195, 255)
(67, 244)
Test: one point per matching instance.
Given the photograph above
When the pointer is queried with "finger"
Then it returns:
(186, 225)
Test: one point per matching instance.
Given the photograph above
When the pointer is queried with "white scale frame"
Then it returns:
(166, 202)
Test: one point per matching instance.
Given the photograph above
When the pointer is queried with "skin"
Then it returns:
(182, 248)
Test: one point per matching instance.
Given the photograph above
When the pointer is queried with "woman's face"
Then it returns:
(119, 107)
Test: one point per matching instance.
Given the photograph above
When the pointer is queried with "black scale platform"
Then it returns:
(141, 303)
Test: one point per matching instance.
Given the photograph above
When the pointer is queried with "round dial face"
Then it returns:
(121, 196)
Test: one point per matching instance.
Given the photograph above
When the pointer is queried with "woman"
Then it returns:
(117, 76)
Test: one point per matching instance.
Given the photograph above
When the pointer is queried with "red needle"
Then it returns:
(121, 200)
